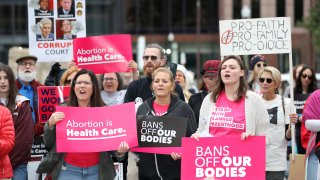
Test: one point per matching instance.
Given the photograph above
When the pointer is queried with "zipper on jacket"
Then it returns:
(156, 163)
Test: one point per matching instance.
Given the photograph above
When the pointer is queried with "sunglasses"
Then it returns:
(262, 80)
(305, 76)
(153, 58)
(260, 65)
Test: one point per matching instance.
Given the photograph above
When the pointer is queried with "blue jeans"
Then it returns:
(312, 166)
(69, 172)
(20, 172)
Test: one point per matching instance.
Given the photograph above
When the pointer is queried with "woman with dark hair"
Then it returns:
(164, 103)
(231, 91)
(111, 89)
(20, 109)
(98, 165)
(305, 85)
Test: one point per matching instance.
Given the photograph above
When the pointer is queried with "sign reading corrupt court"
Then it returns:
(96, 129)
(102, 54)
(160, 134)
(49, 98)
(255, 36)
(223, 158)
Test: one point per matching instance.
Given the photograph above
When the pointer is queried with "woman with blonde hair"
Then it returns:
(281, 112)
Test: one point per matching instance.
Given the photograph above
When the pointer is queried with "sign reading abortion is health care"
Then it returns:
(223, 158)
(49, 98)
(103, 54)
(96, 129)
(160, 134)
(255, 36)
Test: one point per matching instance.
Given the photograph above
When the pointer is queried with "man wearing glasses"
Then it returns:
(153, 59)
(27, 86)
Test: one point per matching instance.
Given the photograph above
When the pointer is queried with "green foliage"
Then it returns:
(312, 23)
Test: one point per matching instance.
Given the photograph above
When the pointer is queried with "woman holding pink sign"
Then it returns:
(231, 100)
(95, 165)
(165, 103)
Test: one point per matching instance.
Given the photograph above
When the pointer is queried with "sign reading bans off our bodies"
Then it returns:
(255, 36)
(223, 158)
(161, 131)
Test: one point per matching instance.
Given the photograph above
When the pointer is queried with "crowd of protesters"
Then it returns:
(255, 104)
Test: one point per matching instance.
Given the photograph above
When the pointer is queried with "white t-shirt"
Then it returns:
(277, 150)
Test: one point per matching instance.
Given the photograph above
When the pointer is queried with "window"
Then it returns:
(298, 11)
(237, 6)
(281, 8)
(255, 5)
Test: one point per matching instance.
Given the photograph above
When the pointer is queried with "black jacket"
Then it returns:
(142, 88)
(195, 102)
(150, 164)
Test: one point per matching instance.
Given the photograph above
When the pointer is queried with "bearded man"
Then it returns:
(140, 90)
(27, 86)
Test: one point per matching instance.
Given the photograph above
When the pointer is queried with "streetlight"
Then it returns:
(245, 12)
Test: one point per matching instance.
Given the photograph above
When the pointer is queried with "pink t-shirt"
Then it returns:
(227, 117)
(160, 109)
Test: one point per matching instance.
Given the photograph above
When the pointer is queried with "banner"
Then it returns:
(38, 147)
(96, 129)
(103, 54)
(160, 134)
(48, 98)
(223, 158)
(255, 36)
(52, 27)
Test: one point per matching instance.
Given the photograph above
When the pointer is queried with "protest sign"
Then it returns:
(223, 158)
(96, 129)
(103, 54)
(160, 134)
(255, 36)
(49, 98)
(38, 147)
(51, 31)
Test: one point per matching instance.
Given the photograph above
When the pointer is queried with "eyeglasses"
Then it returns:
(153, 58)
(262, 80)
(260, 65)
(86, 83)
(25, 64)
(68, 82)
(305, 76)
(109, 79)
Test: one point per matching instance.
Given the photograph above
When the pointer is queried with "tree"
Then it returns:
(312, 23)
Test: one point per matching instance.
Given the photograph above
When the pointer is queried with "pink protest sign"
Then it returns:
(102, 54)
(49, 98)
(223, 158)
(96, 129)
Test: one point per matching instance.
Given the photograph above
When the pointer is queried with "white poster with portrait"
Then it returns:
(53, 24)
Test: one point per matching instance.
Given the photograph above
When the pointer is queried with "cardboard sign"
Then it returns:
(51, 30)
(223, 158)
(103, 54)
(49, 98)
(255, 36)
(96, 129)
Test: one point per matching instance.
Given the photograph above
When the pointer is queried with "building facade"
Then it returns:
(188, 29)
